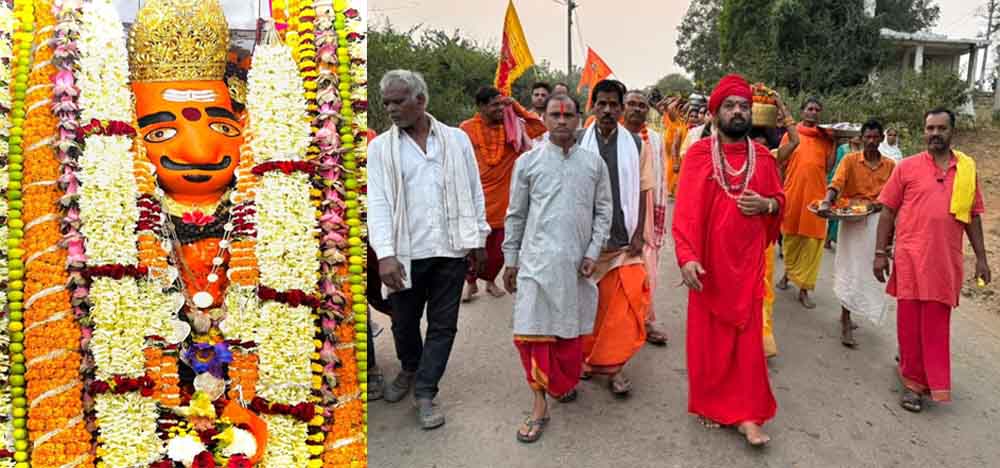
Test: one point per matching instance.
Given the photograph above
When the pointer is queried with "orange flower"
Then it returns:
(243, 373)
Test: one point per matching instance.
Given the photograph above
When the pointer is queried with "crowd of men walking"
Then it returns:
(572, 217)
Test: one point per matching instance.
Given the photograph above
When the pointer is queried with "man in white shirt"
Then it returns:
(426, 213)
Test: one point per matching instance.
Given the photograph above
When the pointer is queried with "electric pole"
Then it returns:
(570, 6)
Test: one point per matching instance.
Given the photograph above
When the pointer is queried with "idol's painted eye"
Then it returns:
(225, 129)
(160, 135)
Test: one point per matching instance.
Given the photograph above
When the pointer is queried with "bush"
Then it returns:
(897, 100)
(453, 67)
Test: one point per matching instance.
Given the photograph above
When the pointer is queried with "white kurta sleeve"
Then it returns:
(517, 214)
(380, 231)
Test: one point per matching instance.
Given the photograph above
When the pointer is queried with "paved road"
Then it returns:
(836, 407)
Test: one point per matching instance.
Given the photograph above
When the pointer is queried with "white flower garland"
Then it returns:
(108, 200)
(276, 105)
(244, 321)
(286, 442)
(160, 309)
(120, 320)
(287, 248)
(284, 351)
(128, 430)
(103, 65)
(124, 311)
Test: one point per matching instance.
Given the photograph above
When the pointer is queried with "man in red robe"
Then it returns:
(729, 214)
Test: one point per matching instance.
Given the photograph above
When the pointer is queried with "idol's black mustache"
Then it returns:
(168, 163)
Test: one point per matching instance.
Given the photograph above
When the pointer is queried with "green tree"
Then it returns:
(675, 83)
(799, 44)
(907, 15)
(823, 44)
(698, 41)
(453, 67)
(745, 37)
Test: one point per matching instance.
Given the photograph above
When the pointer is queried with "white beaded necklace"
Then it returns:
(721, 168)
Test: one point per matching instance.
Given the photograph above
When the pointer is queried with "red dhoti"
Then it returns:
(619, 329)
(494, 259)
(923, 328)
(552, 364)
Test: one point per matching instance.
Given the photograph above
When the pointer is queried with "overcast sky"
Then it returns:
(635, 37)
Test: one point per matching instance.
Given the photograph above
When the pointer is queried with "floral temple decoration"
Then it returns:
(183, 227)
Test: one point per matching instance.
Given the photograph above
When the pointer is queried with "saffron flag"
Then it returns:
(515, 57)
(594, 70)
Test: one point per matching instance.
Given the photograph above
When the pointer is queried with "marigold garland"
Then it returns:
(51, 336)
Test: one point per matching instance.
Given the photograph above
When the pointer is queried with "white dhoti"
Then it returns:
(854, 283)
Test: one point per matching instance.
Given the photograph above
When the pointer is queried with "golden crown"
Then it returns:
(179, 40)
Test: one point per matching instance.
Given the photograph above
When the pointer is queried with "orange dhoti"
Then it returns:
(619, 329)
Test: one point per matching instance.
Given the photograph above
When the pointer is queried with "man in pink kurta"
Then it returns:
(927, 258)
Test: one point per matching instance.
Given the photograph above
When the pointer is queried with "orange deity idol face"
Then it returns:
(192, 136)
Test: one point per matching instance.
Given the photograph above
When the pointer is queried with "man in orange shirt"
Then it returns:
(805, 182)
(498, 144)
(858, 181)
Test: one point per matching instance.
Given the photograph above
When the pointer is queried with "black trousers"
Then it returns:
(437, 284)
(375, 299)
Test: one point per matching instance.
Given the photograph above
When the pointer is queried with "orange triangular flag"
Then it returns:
(594, 70)
(515, 57)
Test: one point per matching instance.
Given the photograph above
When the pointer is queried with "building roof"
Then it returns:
(937, 41)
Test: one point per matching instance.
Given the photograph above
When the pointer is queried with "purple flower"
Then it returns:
(204, 357)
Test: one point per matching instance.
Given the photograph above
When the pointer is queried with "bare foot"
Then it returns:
(620, 385)
(494, 290)
(654, 335)
(471, 289)
(847, 334)
(805, 300)
(754, 434)
(783, 284)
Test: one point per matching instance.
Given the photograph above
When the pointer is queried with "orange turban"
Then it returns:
(730, 85)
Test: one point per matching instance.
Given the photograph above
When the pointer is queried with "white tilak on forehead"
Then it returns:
(189, 95)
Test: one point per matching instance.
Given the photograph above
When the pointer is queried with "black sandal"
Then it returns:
(569, 397)
(532, 424)
(708, 423)
(911, 401)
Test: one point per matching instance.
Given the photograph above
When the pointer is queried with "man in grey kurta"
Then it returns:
(558, 220)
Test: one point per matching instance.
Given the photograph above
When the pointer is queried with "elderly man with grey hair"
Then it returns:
(426, 219)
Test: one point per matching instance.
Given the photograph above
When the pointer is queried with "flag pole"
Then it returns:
(570, 6)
